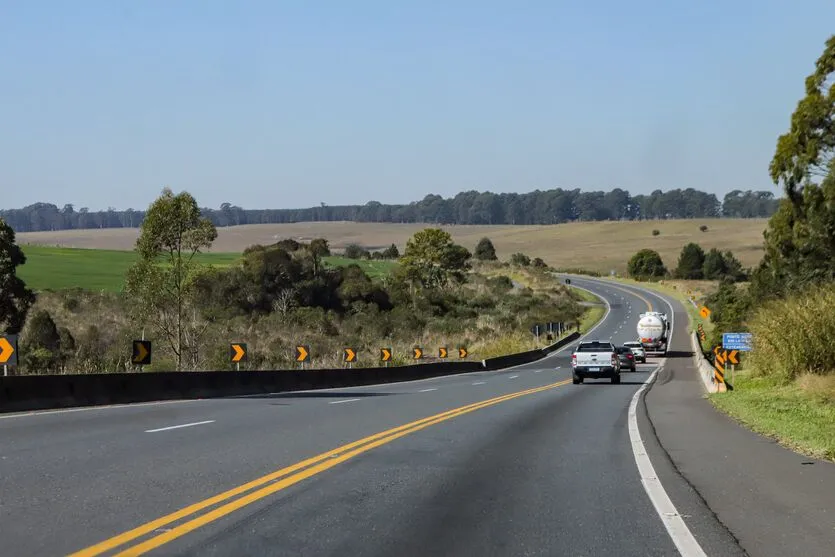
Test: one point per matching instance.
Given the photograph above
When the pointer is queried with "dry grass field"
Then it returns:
(600, 246)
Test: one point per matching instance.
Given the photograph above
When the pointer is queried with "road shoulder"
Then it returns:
(774, 502)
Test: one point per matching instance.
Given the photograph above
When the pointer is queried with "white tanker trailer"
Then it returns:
(653, 331)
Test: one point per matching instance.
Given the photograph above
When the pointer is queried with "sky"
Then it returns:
(284, 104)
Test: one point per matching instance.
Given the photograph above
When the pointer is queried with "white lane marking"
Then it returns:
(89, 408)
(679, 532)
(178, 426)
(558, 367)
(479, 383)
(537, 371)
(513, 377)
(341, 401)
(428, 390)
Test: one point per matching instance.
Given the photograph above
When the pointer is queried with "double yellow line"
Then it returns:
(278, 480)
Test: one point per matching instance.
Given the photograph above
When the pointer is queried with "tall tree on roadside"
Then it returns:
(691, 262)
(159, 284)
(485, 251)
(15, 298)
(799, 239)
(318, 249)
(434, 260)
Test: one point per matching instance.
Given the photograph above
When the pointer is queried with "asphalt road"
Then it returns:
(547, 470)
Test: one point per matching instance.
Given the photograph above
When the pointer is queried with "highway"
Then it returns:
(511, 462)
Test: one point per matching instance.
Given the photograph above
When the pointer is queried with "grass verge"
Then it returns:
(796, 415)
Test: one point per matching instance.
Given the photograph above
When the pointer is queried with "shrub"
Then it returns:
(656, 232)
(703, 228)
(520, 259)
(355, 251)
(485, 251)
(794, 335)
(645, 265)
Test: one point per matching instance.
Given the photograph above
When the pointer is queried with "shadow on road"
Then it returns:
(679, 354)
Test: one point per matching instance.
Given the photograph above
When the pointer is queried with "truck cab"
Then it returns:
(595, 359)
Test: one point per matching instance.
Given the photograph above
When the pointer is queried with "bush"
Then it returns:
(793, 336)
(355, 251)
(703, 228)
(520, 259)
(645, 265)
(485, 251)
(656, 232)
(539, 263)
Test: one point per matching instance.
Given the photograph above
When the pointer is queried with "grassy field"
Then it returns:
(601, 246)
(799, 415)
(53, 268)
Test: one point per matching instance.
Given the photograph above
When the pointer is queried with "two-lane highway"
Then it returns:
(512, 462)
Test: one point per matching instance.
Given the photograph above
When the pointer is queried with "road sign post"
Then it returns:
(385, 356)
(462, 352)
(417, 352)
(737, 341)
(141, 354)
(8, 352)
(237, 354)
(442, 352)
(302, 354)
(349, 356)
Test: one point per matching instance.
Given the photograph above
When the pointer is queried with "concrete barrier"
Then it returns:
(40, 392)
(511, 360)
(704, 368)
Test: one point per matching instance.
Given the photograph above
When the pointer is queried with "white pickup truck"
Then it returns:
(595, 359)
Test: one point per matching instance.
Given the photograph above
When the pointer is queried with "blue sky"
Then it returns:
(289, 104)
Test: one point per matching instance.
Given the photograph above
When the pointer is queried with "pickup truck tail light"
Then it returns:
(574, 360)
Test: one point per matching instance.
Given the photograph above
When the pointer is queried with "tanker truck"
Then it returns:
(653, 331)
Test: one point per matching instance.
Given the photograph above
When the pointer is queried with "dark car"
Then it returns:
(626, 357)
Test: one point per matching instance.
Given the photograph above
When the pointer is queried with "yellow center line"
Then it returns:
(309, 467)
(634, 293)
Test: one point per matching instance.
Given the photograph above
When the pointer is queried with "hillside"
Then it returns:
(601, 246)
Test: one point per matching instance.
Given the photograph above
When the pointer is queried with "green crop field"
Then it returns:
(52, 268)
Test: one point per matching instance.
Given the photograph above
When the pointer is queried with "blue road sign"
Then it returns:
(736, 341)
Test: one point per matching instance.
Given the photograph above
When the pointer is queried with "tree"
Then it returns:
(645, 265)
(484, 250)
(432, 259)
(703, 228)
(691, 262)
(318, 249)
(160, 284)
(355, 251)
(15, 298)
(391, 252)
(539, 263)
(714, 267)
(41, 342)
(806, 151)
(520, 259)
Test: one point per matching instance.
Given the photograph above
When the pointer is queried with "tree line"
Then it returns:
(554, 206)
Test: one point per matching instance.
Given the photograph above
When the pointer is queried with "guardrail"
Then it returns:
(41, 392)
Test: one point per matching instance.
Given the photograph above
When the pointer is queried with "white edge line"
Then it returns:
(346, 400)
(513, 377)
(677, 529)
(428, 390)
(479, 383)
(178, 426)
(102, 407)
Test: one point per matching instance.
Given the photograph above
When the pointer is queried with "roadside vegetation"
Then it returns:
(193, 304)
(785, 387)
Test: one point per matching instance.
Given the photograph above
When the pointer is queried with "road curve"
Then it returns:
(510, 462)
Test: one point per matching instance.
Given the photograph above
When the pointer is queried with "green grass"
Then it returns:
(54, 268)
(372, 268)
(51, 268)
(787, 413)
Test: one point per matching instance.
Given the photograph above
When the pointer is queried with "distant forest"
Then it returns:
(539, 207)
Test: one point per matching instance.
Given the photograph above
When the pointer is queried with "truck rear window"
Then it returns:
(595, 347)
